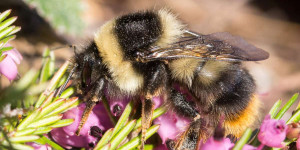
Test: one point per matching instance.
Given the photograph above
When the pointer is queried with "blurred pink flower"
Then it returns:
(272, 132)
(8, 65)
(212, 144)
(38, 146)
(249, 147)
(66, 136)
(171, 125)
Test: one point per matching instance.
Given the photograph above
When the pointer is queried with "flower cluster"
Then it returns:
(66, 136)
(272, 132)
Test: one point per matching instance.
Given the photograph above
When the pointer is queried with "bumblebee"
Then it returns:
(143, 54)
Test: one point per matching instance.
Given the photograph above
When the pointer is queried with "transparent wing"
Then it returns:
(218, 46)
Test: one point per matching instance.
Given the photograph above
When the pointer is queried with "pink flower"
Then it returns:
(38, 146)
(8, 65)
(98, 119)
(272, 132)
(171, 125)
(212, 144)
(249, 147)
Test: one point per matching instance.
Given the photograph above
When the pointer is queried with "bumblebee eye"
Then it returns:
(86, 75)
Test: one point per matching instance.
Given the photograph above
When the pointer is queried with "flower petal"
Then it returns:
(8, 68)
(171, 125)
(15, 55)
(212, 144)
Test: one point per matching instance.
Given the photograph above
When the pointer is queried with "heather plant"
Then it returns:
(33, 116)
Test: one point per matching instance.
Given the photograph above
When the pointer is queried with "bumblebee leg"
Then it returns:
(157, 82)
(87, 110)
(147, 112)
(91, 102)
(191, 137)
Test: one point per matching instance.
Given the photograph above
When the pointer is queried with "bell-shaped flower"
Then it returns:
(8, 66)
(272, 132)
(97, 122)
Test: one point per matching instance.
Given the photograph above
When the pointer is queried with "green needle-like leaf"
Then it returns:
(23, 132)
(45, 121)
(45, 72)
(48, 100)
(149, 147)
(52, 63)
(4, 14)
(48, 109)
(7, 22)
(52, 85)
(15, 30)
(28, 119)
(44, 140)
(105, 138)
(274, 109)
(6, 31)
(22, 139)
(62, 80)
(119, 137)
(63, 106)
(287, 106)
(243, 140)
(295, 117)
(68, 92)
(6, 40)
(106, 147)
(42, 130)
(62, 123)
(137, 140)
(27, 80)
(123, 119)
(18, 146)
(3, 49)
